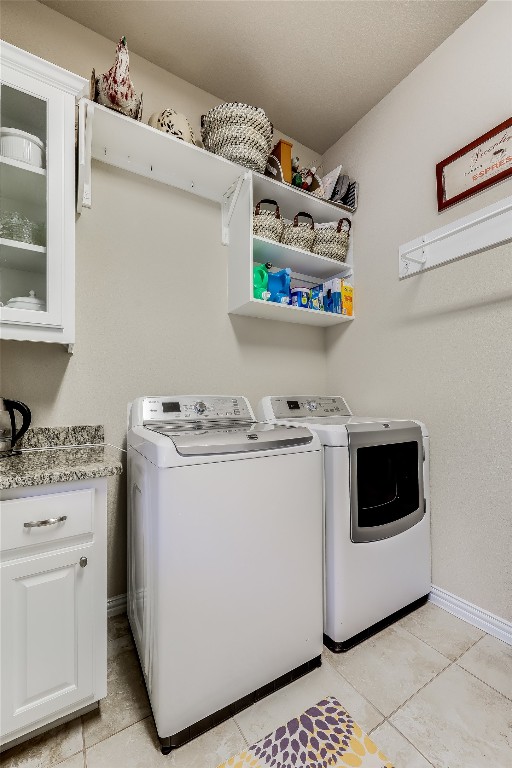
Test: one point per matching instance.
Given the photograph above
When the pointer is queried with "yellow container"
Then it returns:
(347, 299)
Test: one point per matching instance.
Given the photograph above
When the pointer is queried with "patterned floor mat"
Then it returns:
(324, 736)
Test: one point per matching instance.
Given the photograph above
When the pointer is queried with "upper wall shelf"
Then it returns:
(120, 141)
(292, 200)
(136, 147)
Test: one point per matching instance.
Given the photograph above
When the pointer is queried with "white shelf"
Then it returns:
(22, 182)
(22, 256)
(304, 262)
(267, 310)
(291, 200)
(22, 166)
(136, 147)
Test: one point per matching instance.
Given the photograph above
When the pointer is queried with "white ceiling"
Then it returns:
(316, 67)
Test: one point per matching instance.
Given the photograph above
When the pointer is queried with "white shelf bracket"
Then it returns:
(415, 259)
(85, 123)
(228, 206)
(479, 231)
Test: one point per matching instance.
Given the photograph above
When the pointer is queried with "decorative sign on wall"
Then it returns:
(476, 166)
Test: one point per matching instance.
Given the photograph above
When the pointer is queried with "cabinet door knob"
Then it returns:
(83, 562)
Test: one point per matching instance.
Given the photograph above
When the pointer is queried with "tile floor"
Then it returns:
(431, 689)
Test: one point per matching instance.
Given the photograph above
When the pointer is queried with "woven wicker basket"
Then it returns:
(332, 240)
(217, 138)
(267, 224)
(236, 113)
(299, 235)
(238, 132)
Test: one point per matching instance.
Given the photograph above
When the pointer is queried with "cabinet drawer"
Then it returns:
(43, 514)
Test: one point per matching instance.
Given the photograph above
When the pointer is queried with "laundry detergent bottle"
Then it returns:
(260, 281)
(279, 286)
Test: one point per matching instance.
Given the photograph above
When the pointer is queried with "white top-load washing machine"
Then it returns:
(224, 557)
(377, 513)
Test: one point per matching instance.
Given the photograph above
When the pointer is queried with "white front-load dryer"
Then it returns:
(376, 513)
(224, 557)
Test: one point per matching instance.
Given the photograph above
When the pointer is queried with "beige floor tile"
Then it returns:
(275, 710)
(491, 661)
(47, 749)
(126, 702)
(396, 747)
(77, 761)
(446, 633)
(390, 667)
(456, 721)
(138, 747)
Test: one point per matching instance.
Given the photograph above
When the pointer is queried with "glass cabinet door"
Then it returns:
(23, 203)
(37, 198)
(31, 162)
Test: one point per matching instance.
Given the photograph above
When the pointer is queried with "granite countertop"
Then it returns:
(59, 455)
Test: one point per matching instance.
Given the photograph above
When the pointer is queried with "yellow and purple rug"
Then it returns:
(324, 736)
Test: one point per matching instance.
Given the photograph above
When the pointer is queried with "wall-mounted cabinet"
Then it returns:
(307, 269)
(122, 142)
(37, 174)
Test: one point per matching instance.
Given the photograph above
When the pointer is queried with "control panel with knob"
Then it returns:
(303, 407)
(183, 407)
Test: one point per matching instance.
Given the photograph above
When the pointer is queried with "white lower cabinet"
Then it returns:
(53, 604)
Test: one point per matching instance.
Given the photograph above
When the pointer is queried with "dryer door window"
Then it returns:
(386, 489)
(387, 483)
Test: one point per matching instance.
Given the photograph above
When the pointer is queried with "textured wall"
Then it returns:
(151, 287)
(438, 347)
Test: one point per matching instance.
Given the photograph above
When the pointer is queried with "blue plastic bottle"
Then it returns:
(279, 286)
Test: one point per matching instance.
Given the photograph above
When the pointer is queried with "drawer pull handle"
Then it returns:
(49, 521)
(83, 562)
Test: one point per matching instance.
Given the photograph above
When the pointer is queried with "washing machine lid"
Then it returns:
(206, 438)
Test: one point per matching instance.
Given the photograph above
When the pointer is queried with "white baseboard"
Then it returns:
(474, 615)
(116, 605)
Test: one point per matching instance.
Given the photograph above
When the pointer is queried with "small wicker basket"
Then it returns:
(332, 240)
(267, 224)
(299, 235)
